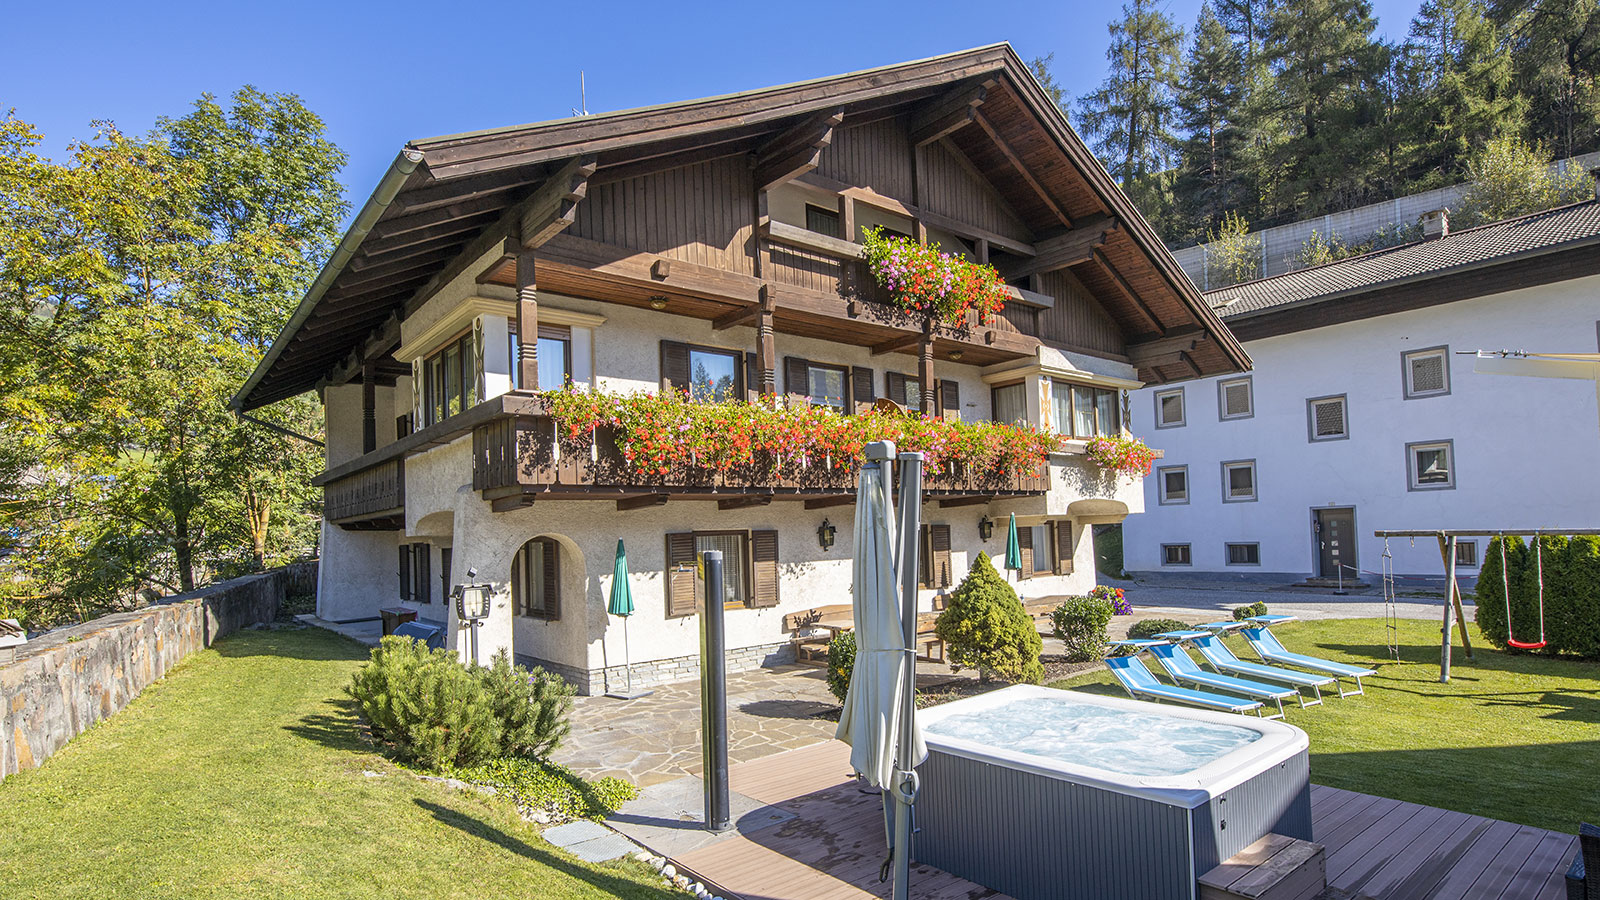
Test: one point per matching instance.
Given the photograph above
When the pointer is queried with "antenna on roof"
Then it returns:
(583, 97)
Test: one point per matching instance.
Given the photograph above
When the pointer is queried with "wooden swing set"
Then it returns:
(1447, 551)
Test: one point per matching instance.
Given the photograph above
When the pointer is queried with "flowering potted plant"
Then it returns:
(1113, 595)
(1124, 454)
(923, 280)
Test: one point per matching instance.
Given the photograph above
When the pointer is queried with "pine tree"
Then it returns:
(1459, 87)
(1210, 103)
(1245, 21)
(1040, 67)
(1327, 69)
(1555, 46)
(1129, 118)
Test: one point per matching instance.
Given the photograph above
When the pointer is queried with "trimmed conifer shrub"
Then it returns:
(986, 628)
(1571, 600)
(841, 662)
(1080, 623)
(531, 707)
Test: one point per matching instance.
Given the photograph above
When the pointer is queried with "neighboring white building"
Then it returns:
(716, 241)
(1361, 414)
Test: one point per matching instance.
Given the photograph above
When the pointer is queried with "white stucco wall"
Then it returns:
(1524, 447)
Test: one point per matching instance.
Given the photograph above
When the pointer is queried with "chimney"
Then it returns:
(1435, 224)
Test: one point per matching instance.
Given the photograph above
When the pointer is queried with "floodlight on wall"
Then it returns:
(985, 528)
(825, 533)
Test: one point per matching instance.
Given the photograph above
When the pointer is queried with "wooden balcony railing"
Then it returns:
(375, 496)
(517, 454)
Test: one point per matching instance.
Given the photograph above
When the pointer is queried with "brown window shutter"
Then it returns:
(421, 568)
(680, 574)
(896, 384)
(674, 366)
(764, 569)
(1063, 536)
(950, 400)
(1025, 542)
(552, 580)
(939, 555)
(797, 376)
(752, 377)
(862, 394)
(405, 571)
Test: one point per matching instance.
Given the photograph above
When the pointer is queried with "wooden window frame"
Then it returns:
(1222, 398)
(994, 400)
(1097, 429)
(1227, 553)
(1162, 498)
(750, 587)
(1413, 472)
(1183, 408)
(739, 357)
(1255, 481)
(1443, 352)
(562, 333)
(1311, 418)
(792, 364)
(1188, 551)
(519, 591)
(831, 214)
(434, 385)
(415, 572)
(929, 560)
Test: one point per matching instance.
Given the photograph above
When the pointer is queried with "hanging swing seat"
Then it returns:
(1505, 585)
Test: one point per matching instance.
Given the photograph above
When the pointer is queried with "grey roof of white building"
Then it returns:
(1555, 229)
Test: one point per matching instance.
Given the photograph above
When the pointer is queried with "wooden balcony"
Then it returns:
(516, 460)
(370, 499)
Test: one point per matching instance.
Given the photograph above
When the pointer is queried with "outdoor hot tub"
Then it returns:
(1043, 793)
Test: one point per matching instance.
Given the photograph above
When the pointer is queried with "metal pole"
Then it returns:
(910, 524)
(1447, 549)
(714, 697)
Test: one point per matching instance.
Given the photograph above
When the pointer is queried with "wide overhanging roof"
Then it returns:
(440, 194)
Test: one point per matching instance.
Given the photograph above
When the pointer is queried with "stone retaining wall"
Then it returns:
(67, 680)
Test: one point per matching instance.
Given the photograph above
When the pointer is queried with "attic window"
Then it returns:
(1234, 400)
(1427, 372)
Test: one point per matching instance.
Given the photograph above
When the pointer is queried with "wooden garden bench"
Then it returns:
(811, 648)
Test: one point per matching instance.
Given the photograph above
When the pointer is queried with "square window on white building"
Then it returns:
(1239, 481)
(1169, 408)
(1427, 372)
(1431, 466)
(1467, 554)
(1174, 482)
(1234, 400)
(1175, 555)
(1244, 554)
(1327, 418)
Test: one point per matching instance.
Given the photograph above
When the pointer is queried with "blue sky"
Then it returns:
(381, 74)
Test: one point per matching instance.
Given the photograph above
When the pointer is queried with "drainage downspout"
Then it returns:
(388, 187)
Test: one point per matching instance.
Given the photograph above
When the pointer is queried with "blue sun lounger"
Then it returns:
(1141, 684)
(1266, 645)
(1219, 657)
(1181, 667)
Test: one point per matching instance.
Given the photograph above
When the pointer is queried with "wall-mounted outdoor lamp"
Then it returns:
(825, 534)
(658, 302)
(985, 528)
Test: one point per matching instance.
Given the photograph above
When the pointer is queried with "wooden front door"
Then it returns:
(1336, 542)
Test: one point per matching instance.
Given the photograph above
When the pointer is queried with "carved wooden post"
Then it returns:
(369, 406)
(766, 345)
(527, 323)
(929, 401)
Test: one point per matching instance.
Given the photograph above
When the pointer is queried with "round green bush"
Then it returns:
(985, 628)
(1240, 613)
(841, 662)
(1149, 628)
(1080, 623)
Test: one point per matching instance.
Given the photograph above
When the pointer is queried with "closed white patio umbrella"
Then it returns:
(878, 721)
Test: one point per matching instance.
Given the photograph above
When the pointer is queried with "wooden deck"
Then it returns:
(1376, 847)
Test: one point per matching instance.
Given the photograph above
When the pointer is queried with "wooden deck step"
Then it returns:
(1273, 868)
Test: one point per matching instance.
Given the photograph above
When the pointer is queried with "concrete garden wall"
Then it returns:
(64, 682)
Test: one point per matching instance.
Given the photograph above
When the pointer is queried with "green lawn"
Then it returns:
(241, 775)
(1511, 737)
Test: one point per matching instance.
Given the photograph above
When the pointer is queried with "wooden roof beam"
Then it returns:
(1128, 291)
(796, 151)
(445, 193)
(744, 314)
(892, 345)
(377, 344)
(643, 501)
(825, 502)
(1016, 163)
(554, 205)
(947, 114)
(1073, 248)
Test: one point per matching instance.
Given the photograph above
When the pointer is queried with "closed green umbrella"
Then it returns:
(621, 593)
(621, 604)
(1013, 546)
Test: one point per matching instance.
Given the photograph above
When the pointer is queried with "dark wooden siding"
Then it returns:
(949, 189)
(876, 155)
(1077, 318)
(700, 213)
